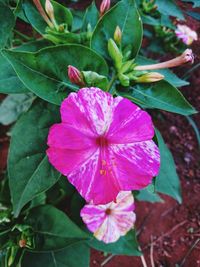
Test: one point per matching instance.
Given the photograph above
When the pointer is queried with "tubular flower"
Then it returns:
(186, 57)
(103, 145)
(186, 34)
(109, 222)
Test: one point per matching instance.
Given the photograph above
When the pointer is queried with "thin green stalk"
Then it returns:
(25, 37)
(111, 83)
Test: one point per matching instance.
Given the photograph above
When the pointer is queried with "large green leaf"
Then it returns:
(45, 72)
(7, 22)
(91, 17)
(126, 245)
(126, 16)
(29, 170)
(76, 255)
(9, 82)
(148, 195)
(169, 8)
(161, 95)
(169, 75)
(53, 229)
(62, 15)
(167, 182)
(13, 106)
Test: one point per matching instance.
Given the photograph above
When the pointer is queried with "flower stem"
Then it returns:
(111, 82)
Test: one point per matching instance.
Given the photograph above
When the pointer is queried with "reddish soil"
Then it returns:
(169, 232)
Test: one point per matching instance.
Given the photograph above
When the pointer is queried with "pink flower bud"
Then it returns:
(49, 9)
(42, 13)
(118, 35)
(75, 76)
(105, 6)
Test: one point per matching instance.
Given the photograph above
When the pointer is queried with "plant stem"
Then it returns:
(111, 82)
(25, 37)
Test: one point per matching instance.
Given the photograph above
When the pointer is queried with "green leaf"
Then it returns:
(160, 95)
(30, 173)
(9, 82)
(169, 8)
(7, 22)
(33, 46)
(62, 15)
(53, 229)
(125, 15)
(76, 255)
(77, 19)
(126, 245)
(167, 182)
(91, 17)
(194, 15)
(13, 106)
(148, 195)
(169, 75)
(45, 72)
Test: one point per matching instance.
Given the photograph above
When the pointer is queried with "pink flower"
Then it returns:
(103, 145)
(109, 222)
(186, 34)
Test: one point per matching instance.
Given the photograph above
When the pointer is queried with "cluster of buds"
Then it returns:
(104, 7)
(187, 35)
(47, 14)
(128, 71)
(126, 68)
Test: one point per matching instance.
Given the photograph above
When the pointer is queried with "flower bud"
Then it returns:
(115, 53)
(118, 35)
(50, 12)
(105, 6)
(42, 13)
(75, 76)
(150, 77)
(49, 9)
(22, 243)
(124, 79)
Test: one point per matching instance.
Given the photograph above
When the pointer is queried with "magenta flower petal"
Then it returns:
(103, 145)
(64, 136)
(130, 124)
(95, 182)
(111, 221)
(67, 160)
(135, 164)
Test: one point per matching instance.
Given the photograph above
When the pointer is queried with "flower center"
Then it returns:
(102, 141)
(108, 211)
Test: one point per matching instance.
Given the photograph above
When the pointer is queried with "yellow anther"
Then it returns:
(103, 172)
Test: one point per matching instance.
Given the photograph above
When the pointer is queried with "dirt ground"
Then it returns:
(169, 233)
